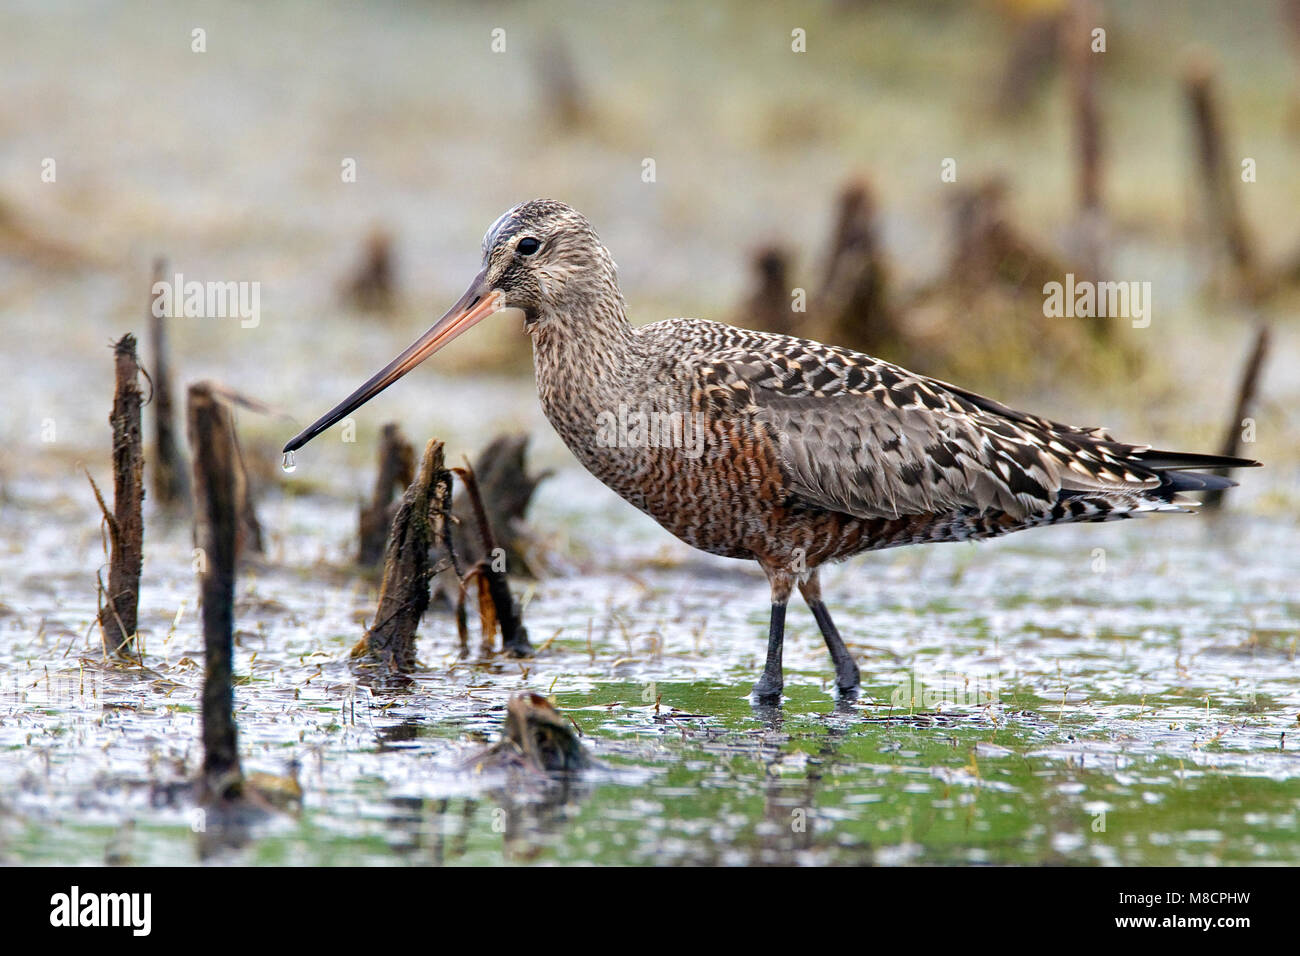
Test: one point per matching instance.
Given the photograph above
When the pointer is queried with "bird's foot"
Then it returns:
(848, 682)
(767, 691)
(520, 646)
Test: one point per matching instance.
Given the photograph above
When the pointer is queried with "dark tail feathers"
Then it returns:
(1178, 471)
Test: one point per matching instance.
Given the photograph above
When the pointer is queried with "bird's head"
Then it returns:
(544, 258)
(541, 258)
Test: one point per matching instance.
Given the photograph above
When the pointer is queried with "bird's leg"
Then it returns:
(847, 679)
(769, 686)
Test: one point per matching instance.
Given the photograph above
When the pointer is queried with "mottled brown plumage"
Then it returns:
(780, 449)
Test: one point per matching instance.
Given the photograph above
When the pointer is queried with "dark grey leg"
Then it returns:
(847, 679)
(769, 686)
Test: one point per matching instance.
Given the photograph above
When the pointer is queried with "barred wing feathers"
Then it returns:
(867, 438)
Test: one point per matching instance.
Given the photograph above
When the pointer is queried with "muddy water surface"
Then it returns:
(1118, 694)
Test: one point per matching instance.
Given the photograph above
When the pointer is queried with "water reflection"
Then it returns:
(524, 819)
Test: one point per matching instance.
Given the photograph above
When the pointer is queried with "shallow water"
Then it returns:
(1032, 699)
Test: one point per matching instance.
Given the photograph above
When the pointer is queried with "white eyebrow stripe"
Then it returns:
(496, 227)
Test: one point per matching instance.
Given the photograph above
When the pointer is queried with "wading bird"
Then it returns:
(809, 453)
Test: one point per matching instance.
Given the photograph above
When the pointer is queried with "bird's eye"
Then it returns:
(527, 246)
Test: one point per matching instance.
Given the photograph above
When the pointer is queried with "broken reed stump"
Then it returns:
(1030, 61)
(250, 528)
(171, 487)
(535, 737)
(1081, 63)
(768, 306)
(497, 605)
(1290, 15)
(372, 286)
(1246, 393)
(507, 488)
(249, 535)
(216, 529)
(1290, 272)
(118, 617)
(853, 303)
(420, 523)
(989, 249)
(1081, 18)
(1218, 180)
(396, 471)
(561, 88)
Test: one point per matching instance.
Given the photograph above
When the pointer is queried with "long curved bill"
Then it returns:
(474, 306)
